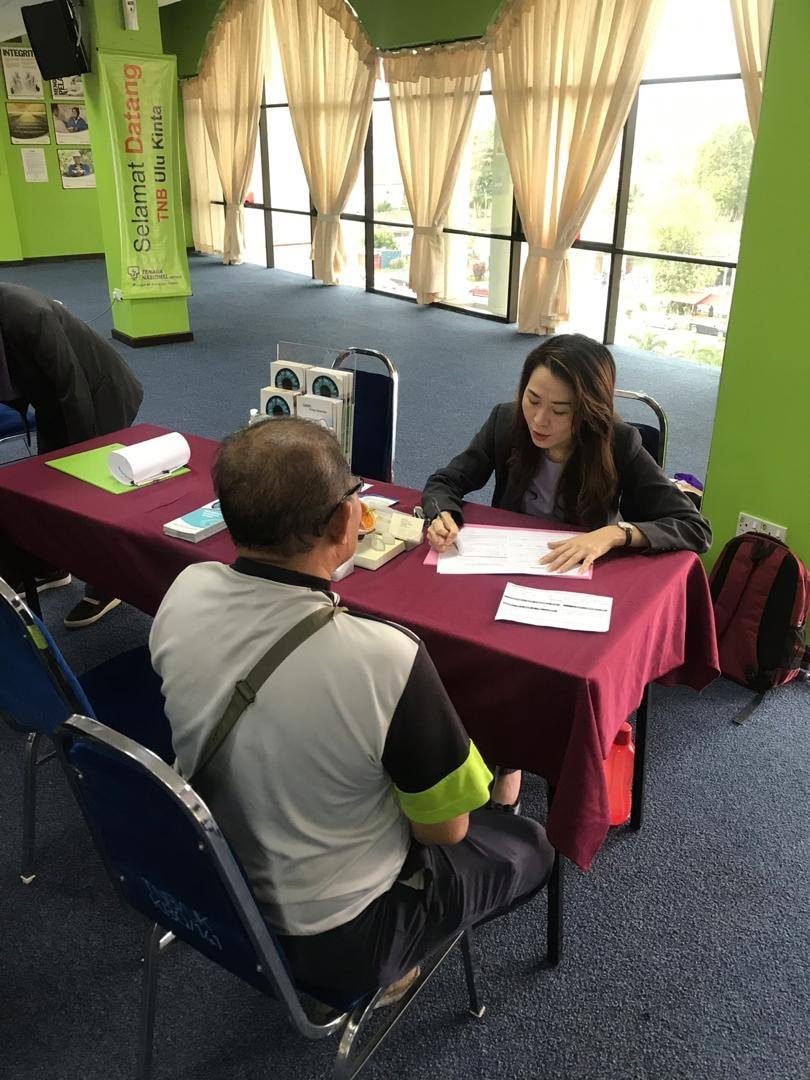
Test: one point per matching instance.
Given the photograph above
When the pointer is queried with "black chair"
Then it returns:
(16, 425)
(375, 413)
(38, 691)
(169, 861)
(655, 438)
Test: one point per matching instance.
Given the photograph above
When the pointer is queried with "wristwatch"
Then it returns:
(628, 532)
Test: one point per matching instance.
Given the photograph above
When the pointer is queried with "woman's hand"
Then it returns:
(584, 548)
(442, 532)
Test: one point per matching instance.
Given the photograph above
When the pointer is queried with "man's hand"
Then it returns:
(442, 532)
(583, 549)
(445, 832)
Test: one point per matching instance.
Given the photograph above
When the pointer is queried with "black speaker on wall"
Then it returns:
(55, 36)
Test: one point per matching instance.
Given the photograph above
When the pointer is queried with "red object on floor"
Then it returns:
(619, 775)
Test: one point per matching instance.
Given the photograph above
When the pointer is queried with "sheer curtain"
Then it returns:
(433, 98)
(752, 29)
(329, 72)
(564, 74)
(207, 217)
(230, 81)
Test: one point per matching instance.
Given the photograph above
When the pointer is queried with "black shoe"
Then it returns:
(88, 611)
(53, 581)
(506, 808)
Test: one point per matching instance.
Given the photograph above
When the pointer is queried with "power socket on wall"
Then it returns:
(749, 523)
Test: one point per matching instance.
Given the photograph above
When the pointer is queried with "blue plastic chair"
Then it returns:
(13, 425)
(39, 691)
(169, 861)
(655, 438)
(375, 414)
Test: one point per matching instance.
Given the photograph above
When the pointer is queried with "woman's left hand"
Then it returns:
(583, 549)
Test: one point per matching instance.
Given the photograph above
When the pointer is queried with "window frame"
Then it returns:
(615, 248)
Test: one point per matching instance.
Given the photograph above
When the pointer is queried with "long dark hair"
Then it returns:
(588, 483)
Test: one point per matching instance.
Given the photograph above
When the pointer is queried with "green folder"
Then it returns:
(91, 467)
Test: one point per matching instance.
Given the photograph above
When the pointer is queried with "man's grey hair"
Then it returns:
(279, 482)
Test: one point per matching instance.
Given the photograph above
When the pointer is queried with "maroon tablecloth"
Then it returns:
(546, 700)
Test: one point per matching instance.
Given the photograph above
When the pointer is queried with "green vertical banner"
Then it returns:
(141, 98)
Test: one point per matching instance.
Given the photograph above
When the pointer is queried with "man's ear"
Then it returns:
(339, 529)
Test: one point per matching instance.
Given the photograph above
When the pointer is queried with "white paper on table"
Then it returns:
(550, 607)
(35, 167)
(504, 551)
(379, 501)
(145, 461)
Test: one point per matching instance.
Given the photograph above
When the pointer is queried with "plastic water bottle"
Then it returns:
(619, 775)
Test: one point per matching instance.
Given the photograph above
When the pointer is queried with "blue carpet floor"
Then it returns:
(686, 950)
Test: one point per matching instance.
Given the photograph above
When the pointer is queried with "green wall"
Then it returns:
(184, 28)
(392, 23)
(759, 454)
(49, 220)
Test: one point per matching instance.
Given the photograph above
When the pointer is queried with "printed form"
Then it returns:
(481, 550)
(548, 607)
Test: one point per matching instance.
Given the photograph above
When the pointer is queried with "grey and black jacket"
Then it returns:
(645, 496)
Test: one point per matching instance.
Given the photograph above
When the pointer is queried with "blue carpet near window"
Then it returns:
(686, 945)
(453, 368)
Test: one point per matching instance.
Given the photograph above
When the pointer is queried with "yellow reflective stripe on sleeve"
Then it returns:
(464, 789)
(38, 638)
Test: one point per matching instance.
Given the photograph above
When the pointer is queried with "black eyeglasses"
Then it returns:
(353, 490)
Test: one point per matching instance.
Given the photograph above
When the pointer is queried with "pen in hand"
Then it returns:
(434, 513)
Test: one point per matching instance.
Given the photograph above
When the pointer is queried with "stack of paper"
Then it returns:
(275, 402)
(286, 375)
(548, 607)
(329, 400)
(198, 524)
(483, 550)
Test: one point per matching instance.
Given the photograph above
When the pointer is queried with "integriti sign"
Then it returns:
(141, 98)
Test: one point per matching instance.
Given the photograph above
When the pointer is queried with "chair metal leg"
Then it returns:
(640, 762)
(146, 1025)
(27, 871)
(349, 1060)
(476, 1008)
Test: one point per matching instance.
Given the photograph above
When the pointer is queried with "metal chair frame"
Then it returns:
(393, 374)
(350, 1058)
(661, 416)
(25, 434)
(31, 757)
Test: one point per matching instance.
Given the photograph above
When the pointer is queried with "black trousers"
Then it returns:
(504, 861)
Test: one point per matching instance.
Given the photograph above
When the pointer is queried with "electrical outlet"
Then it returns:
(117, 295)
(749, 523)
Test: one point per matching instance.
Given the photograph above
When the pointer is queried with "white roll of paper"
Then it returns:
(145, 461)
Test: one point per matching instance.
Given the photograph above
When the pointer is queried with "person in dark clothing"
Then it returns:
(77, 384)
(559, 451)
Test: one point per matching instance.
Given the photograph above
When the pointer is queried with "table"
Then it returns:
(546, 700)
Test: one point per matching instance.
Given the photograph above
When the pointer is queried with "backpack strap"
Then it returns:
(743, 714)
(246, 689)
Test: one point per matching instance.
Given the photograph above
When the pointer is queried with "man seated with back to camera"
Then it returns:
(349, 788)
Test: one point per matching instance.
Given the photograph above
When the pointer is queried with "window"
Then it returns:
(653, 266)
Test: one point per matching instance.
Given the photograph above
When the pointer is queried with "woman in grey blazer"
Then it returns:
(560, 452)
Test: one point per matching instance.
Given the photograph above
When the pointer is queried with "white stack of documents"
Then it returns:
(549, 607)
(482, 550)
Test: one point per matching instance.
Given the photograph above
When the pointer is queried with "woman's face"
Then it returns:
(548, 409)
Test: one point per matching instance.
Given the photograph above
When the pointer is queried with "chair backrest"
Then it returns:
(167, 858)
(38, 691)
(15, 425)
(375, 413)
(655, 438)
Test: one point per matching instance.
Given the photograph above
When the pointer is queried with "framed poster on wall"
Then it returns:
(28, 123)
(71, 86)
(21, 72)
(70, 124)
(76, 168)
